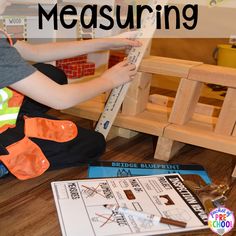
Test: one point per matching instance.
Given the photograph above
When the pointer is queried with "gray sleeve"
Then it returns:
(13, 67)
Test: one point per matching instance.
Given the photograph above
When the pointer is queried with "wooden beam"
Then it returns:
(201, 108)
(137, 97)
(167, 66)
(186, 100)
(166, 149)
(120, 132)
(234, 173)
(161, 100)
(202, 135)
(234, 132)
(227, 118)
(214, 74)
(145, 122)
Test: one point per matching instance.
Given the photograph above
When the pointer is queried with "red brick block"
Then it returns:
(115, 58)
(88, 68)
(73, 60)
(73, 71)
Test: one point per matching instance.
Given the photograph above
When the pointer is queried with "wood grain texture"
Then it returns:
(214, 75)
(167, 66)
(227, 118)
(137, 97)
(234, 132)
(186, 100)
(27, 207)
(166, 149)
(145, 122)
(201, 108)
(201, 134)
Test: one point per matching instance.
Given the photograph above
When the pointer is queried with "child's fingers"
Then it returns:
(133, 43)
(132, 73)
(131, 67)
(123, 63)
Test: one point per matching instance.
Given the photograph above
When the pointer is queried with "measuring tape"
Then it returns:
(135, 56)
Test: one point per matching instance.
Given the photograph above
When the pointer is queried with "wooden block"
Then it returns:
(214, 74)
(119, 132)
(234, 132)
(167, 148)
(161, 100)
(145, 122)
(137, 97)
(201, 108)
(114, 132)
(167, 66)
(234, 173)
(203, 135)
(196, 116)
(126, 133)
(185, 102)
(227, 118)
(208, 110)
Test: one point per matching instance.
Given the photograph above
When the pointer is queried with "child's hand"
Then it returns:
(119, 74)
(124, 40)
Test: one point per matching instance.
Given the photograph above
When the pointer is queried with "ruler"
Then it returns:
(135, 56)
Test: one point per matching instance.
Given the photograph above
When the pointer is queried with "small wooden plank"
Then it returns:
(214, 74)
(208, 110)
(167, 66)
(234, 172)
(161, 100)
(186, 100)
(202, 135)
(126, 133)
(145, 122)
(234, 132)
(114, 132)
(227, 118)
(166, 149)
(120, 132)
(137, 97)
(201, 108)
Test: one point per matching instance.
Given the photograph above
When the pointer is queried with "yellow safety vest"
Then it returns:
(10, 103)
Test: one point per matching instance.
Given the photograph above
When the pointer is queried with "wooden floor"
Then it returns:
(27, 207)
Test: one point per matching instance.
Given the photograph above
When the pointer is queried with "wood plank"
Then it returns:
(214, 74)
(161, 100)
(227, 118)
(196, 116)
(234, 172)
(145, 122)
(203, 135)
(138, 94)
(234, 132)
(119, 132)
(201, 108)
(186, 100)
(167, 66)
(166, 149)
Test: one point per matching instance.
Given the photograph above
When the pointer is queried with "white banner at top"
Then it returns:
(46, 19)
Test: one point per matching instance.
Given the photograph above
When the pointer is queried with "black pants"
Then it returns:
(87, 147)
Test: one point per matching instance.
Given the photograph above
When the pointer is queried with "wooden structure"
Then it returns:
(178, 120)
